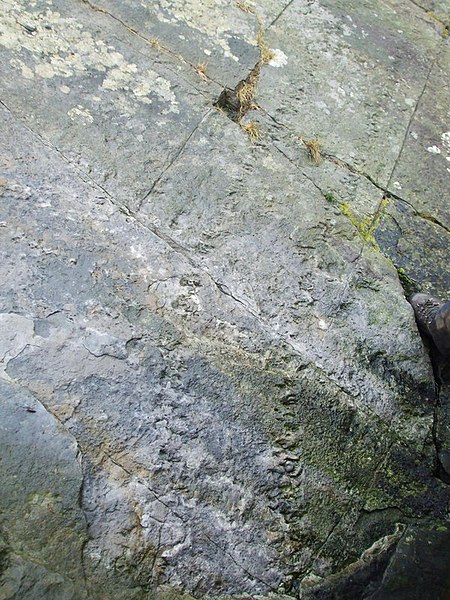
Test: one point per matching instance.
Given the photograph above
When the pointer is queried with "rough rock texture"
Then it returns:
(212, 385)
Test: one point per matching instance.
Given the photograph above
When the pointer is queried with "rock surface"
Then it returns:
(212, 385)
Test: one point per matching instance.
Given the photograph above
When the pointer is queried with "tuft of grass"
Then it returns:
(252, 129)
(155, 43)
(266, 54)
(246, 90)
(245, 7)
(329, 197)
(246, 93)
(201, 69)
(313, 147)
(408, 284)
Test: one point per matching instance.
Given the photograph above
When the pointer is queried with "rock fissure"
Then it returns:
(278, 398)
(280, 14)
(414, 112)
(173, 160)
(246, 571)
(153, 42)
(440, 472)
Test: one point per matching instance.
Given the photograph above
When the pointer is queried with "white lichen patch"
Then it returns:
(322, 325)
(80, 113)
(220, 21)
(142, 85)
(445, 137)
(25, 70)
(279, 58)
(57, 46)
(434, 149)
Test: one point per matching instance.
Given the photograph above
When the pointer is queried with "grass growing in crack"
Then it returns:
(408, 284)
(201, 69)
(246, 90)
(238, 101)
(266, 53)
(252, 129)
(155, 43)
(245, 7)
(246, 94)
(329, 197)
(313, 147)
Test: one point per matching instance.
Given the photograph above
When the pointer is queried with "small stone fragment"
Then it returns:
(101, 344)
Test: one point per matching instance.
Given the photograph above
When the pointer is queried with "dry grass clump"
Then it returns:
(201, 69)
(246, 93)
(266, 53)
(155, 43)
(245, 7)
(313, 147)
(252, 129)
(246, 90)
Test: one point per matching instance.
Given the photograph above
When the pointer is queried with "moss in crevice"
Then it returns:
(366, 227)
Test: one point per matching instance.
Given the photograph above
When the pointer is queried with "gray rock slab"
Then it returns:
(43, 528)
(117, 108)
(417, 245)
(200, 316)
(221, 36)
(422, 170)
(352, 76)
(205, 461)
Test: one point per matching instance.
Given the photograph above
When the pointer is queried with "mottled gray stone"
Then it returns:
(43, 528)
(100, 344)
(353, 76)
(210, 328)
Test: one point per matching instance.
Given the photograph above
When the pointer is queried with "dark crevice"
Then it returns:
(172, 161)
(440, 472)
(391, 556)
(86, 540)
(236, 102)
(280, 14)
(439, 364)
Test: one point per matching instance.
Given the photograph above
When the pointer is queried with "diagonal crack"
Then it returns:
(82, 174)
(379, 587)
(154, 43)
(280, 13)
(227, 553)
(266, 327)
(411, 119)
(172, 160)
(440, 472)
